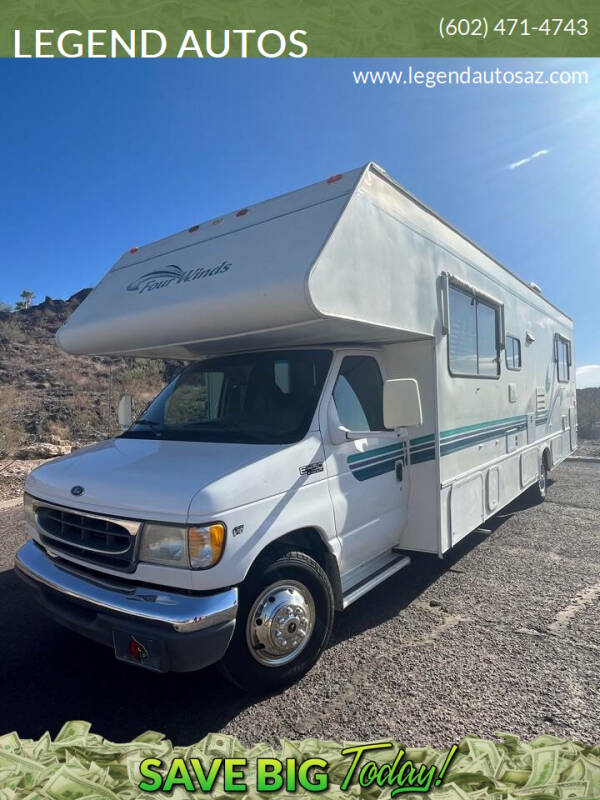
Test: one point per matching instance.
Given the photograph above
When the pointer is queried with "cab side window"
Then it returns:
(358, 394)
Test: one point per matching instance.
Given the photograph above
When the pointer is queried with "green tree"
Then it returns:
(25, 302)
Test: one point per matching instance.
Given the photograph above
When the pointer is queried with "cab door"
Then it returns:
(367, 477)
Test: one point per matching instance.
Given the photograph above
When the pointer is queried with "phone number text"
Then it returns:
(512, 26)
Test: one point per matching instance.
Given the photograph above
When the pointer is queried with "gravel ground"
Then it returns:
(588, 448)
(12, 476)
(504, 634)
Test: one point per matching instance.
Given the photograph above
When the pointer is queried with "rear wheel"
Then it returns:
(284, 622)
(538, 490)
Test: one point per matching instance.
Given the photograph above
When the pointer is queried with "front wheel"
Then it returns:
(283, 625)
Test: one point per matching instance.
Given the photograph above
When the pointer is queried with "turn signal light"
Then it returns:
(205, 545)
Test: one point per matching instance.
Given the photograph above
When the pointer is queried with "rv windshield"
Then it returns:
(252, 397)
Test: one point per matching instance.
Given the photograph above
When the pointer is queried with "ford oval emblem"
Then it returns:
(77, 491)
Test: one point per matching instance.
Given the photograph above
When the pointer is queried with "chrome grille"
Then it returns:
(100, 540)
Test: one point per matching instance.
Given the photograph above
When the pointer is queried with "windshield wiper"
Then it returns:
(216, 427)
(149, 422)
(215, 423)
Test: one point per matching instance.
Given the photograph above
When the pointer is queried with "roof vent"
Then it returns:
(535, 287)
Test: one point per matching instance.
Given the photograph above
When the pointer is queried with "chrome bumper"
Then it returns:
(183, 612)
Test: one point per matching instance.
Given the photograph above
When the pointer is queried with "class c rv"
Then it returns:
(364, 382)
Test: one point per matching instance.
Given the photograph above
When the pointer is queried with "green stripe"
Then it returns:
(374, 470)
(378, 451)
(430, 438)
(421, 440)
(482, 425)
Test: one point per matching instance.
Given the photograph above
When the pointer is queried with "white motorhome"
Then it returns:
(365, 382)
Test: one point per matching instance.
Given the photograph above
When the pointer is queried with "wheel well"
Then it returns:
(309, 541)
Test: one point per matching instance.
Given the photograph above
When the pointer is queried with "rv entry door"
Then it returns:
(367, 475)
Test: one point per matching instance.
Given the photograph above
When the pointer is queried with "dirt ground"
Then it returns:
(502, 634)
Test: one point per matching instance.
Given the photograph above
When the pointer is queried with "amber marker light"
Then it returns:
(205, 545)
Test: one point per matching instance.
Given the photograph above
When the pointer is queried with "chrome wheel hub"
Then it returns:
(280, 623)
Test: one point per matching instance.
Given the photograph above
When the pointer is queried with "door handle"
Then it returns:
(399, 471)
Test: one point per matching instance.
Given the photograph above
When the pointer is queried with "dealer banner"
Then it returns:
(381, 28)
(300, 399)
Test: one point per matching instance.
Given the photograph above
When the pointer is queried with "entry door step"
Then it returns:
(374, 572)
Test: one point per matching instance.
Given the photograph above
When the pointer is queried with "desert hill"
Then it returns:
(48, 397)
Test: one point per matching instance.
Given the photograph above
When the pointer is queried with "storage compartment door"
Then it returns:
(466, 506)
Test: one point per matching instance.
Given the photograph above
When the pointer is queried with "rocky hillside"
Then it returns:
(588, 412)
(50, 400)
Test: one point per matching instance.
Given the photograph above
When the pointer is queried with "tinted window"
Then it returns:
(252, 397)
(358, 394)
(473, 338)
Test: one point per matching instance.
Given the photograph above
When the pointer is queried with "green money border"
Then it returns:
(352, 28)
(78, 763)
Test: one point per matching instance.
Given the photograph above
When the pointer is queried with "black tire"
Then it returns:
(285, 572)
(537, 492)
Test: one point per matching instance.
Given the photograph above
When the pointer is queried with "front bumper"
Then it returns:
(188, 631)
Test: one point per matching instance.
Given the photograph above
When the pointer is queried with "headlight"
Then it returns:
(175, 546)
(28, 510)
(164, 544)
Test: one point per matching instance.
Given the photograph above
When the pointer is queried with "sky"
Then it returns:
(99, 156)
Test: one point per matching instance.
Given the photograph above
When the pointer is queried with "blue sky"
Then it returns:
(98, 156)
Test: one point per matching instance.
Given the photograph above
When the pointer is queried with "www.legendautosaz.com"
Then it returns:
(468, 76)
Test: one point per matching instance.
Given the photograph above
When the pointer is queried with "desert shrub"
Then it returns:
(12, 430)
(11, 332)
(60, 430)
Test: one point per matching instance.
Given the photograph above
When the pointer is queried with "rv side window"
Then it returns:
(513, 352)
(563, 358)
(473, 335)
(358, 394)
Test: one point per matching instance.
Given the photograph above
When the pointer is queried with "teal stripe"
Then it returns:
(482, 425)
(377, 451)
(422, 455)
(479, 437)
(377, 469)
(376, 460)
(423, 447)
(421, 440)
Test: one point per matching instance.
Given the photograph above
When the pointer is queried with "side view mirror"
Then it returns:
(402, 403)
(125, 412)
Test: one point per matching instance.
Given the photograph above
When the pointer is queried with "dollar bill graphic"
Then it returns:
(81, 765)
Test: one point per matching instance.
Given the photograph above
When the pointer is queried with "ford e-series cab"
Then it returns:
(363, 382)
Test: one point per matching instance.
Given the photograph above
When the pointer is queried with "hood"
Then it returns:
(158, 479)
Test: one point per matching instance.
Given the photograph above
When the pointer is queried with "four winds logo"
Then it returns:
(165, 276)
